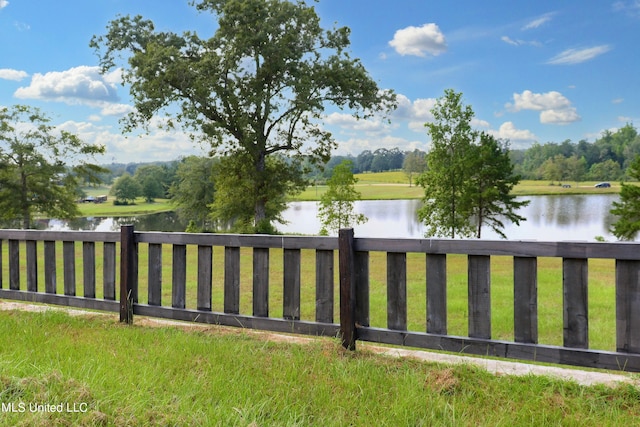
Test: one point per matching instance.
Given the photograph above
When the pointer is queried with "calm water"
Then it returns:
(566, 217)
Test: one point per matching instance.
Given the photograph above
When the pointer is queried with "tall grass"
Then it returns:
(140, 376)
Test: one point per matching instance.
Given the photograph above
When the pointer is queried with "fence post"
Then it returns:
(347, 288)
(127, 271)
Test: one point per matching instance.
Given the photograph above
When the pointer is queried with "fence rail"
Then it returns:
(34, 265)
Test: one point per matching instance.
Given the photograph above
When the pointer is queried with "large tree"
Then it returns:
(257, 88)
(41, 168)
(627, 210)
(491, 182)
(447, 205)
(469, 176)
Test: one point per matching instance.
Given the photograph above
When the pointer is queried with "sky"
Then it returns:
(532, 71)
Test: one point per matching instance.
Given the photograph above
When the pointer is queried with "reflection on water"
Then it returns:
(566, 217)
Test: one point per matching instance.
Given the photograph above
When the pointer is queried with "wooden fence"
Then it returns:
(34, 265)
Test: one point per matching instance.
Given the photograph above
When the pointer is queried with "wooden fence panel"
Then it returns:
(154, 284)
(89, 269)
(324, 286)
(14, 264)
(231, 280)
(525, 299)
(50, 274)
(109, 270)
(397, 291)
(628, 306)
(291, 284)
(575, 302)
(32, 265)
(261, 282)
(69, 269)
(205, 277)
(361, 281)
(436, 275)
(479, 273)
(179, 277)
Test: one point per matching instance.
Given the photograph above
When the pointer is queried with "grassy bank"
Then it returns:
(136, 376)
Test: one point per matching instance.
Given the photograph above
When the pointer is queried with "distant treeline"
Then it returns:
(606, 159)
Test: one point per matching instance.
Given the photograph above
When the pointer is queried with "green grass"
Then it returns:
(394, 185)
(139, 376)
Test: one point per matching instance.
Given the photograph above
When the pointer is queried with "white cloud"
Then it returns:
(347, 121)
(577, 56)
(516, 137)
(519, 42)
(631, 8)
(617, 101)
(554, 107)
(3, 3)
(419, 41)
(158, 144)
(9, 74)
(78, 85)
(354, 146)
(538, 22)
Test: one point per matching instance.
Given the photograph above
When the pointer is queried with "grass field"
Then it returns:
(112, 374)
(394, 185)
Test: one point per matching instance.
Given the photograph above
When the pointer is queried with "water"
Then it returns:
(564, 217)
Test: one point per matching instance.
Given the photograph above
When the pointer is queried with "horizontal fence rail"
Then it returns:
(297, 284)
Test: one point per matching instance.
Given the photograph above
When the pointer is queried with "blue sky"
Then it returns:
(531, 70)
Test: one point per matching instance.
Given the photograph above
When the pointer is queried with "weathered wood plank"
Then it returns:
(69, 267)
(628, 306)
(154, 285)
(242, 321)
(397, 291)
(291, 285)
(32, 266)
(479, 273)
(76, 236)
(60, 300)
(346, 268)
(239, 240)
(109, 270)
(361, 279)
(436, 275)
(1, 249)
(261, 282)
(324, 286)
(618, 250)
(205, 277)
(232, 280)
(179, 277)
(535, 352)
(89, 269)
(14, 264)
(575, 303)
(50, 274)
(525, 299)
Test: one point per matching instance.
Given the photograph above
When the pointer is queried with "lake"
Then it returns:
(561, 217)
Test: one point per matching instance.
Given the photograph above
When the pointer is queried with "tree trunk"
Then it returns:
(260, 207)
